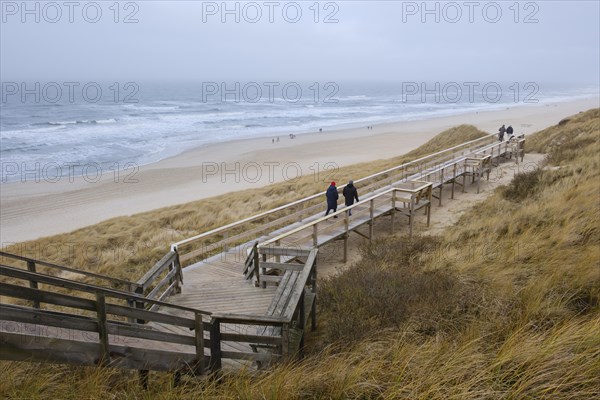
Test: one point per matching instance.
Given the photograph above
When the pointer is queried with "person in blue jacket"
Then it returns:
(332, 198)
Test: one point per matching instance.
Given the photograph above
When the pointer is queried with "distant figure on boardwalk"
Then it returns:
(509, 132)
(332, 198)
(501, 133)
(350, 194)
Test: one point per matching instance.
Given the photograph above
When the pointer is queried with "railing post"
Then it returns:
(32, 283)
(256, 264)
(441, 186)
(313, 311)
(411, 215)
(301, 322)
(199, 328)
(131, 302)
(139, 304)
(215, 346)
(464, 175)
(179, 274)
(315, 235)
(170, 268)
(372, 215)
(285, 340)
(346, 223)
(453, 180)
(102, 329)
(393, 210)
(429, 195)
(264, 271)
(225, 244)
(479, 173)
(278, 257)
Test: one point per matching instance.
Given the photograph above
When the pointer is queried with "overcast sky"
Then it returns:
(543, 41)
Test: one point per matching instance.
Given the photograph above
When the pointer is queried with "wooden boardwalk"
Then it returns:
(239, 296)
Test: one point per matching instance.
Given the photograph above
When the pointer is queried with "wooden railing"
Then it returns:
(33, 264)
(280, 333)
(388, 199)
(428, 177)
(94, 325)
(154, 288)
(251, 265)
(201, 246)
(161, 281)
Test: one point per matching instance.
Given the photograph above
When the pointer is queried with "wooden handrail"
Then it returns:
(12, 272)
(369, 199)
(324, 218)
(365, 201)
(69, 269)
(212, 232)
(156, 270)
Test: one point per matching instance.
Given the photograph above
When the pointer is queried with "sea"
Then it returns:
(69, 126)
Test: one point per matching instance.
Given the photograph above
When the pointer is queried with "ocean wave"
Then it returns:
(76, 122)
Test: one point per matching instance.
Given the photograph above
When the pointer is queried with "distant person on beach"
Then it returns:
(350, 194)
(320, 129)
(509, 132)
(332, 198)
(501, 133)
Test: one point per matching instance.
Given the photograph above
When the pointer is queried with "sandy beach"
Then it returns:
(31, 210)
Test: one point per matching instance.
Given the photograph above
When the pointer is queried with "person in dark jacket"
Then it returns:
(509, 132)
(350, 194)
(332, 198)
(501, 132)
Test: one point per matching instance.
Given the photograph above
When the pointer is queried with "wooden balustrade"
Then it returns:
(201, 246)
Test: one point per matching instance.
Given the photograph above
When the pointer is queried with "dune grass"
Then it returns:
(502, 305)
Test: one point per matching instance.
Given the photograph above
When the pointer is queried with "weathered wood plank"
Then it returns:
(298, 290)
(117, 281)
(20, 347)
(42, 296)
(262, 357)
(283, 251)
(154, 293)
(157, 269)
(89, 324)
(254, 339)
(248, 319)
(49, 318)
(282, 266)
(102, 328)
(67, 284)
(89, 305)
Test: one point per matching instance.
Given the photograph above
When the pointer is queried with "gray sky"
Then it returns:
(385, 40)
